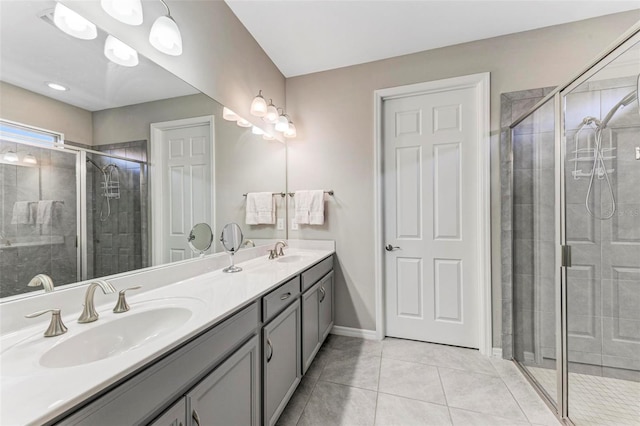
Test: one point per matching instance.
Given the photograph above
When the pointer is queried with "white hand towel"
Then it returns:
(44, 216)
(260, 209)
(316, 208)
(23, 213)
(302, 204)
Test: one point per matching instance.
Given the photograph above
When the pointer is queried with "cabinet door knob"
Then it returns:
(195, 417)
(270, 355)
(324, 294)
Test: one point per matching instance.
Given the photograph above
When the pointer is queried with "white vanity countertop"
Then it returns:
(33, 394)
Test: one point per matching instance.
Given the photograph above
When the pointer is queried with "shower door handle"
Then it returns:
(566, 256)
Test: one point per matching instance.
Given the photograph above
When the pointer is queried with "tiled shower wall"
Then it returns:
(604, 282)
(120, 243)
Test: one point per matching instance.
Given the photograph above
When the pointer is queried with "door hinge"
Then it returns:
(566, 256)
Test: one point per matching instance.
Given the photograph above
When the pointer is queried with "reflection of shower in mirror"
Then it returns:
(110, 186)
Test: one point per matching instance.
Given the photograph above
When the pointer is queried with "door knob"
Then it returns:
(389, 247)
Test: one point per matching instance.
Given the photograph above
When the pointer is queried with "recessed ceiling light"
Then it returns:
(56, 86)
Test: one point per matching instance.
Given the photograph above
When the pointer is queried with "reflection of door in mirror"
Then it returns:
(182, 153)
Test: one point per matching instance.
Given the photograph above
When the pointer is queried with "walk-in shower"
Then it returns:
(575, 242)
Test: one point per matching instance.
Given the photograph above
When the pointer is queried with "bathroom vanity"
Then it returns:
(232, 351)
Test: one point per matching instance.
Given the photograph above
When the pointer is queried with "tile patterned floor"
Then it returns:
(402, 382)
(595, 400)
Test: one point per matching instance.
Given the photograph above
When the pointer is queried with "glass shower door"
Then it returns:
(602, 199)
(535, 242)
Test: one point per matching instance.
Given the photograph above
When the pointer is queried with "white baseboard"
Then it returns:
(496, 352)
(354, 332)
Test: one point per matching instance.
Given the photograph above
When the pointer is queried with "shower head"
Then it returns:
(622, 103)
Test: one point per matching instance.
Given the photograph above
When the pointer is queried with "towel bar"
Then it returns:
(282, 194)
(330, 192)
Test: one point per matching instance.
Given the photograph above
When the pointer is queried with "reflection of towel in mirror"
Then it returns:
(48, 213)
(24, 213)
(261, 208)
(309, 207)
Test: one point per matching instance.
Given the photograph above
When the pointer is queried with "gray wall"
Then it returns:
(24, 106)
(333, 111)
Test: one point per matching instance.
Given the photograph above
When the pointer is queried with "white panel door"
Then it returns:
(431, 203)
(187, 183)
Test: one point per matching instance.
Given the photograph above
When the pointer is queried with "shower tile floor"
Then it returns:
(595, 400)
(403, 382)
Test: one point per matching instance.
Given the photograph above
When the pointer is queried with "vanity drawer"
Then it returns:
(317, 271)
(275, 301)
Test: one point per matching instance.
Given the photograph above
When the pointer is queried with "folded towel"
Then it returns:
(260, 209)
(309, 207)
(24, 213)
(48, 212)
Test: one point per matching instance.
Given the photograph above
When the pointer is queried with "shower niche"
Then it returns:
(573, 226)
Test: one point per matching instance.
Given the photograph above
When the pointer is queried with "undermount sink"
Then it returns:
(115, 337)
(292, 258)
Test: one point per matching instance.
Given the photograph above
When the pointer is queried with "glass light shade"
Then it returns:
(120, 53)
(268, 137)
(56, 86)
(258, 106)
(283, 123)
(30, 159)
(257, 131)
(243, 123)
(271, 115)
(11, 156)
(73, 24)
(165, 36)
(127, 11)
(229, 115)
(291, 131)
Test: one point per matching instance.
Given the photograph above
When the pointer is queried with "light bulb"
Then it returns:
(283, 123)
(11, 156)
(258, 105)
(229, 115)
(257, 131)
(118, 52)
(127, 11)
(271, 115)
(56, 86)
(243, 123)
(30, 159)
(165, 36)
(291, 131)
(73, 24)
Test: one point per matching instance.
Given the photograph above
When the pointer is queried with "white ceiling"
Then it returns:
(306, 36)
(33, 51)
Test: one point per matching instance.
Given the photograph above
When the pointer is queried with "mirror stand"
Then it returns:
(232, 268)
(231, 239)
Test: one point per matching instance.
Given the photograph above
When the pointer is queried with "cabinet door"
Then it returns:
(310, 326)
(174, 416)
(281, 360)
(326, 306)
(230, 394)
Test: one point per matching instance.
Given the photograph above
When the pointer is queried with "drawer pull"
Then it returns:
(270, 350)
(324, 294)
(196, 418)
(285, 296)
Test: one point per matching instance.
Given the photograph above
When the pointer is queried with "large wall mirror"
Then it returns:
(110, 175)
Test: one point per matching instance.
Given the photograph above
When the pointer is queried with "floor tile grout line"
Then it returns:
(413, 399)
(446, 401)
(516, 400)
(444, 366)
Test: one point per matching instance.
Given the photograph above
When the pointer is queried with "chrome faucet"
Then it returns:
(282, 245)
(44, 280)
(89, 313)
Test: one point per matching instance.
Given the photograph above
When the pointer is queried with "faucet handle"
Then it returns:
(121, 304)
(56, 326)
(272, 254)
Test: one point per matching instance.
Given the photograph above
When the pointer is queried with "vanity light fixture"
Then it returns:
(271, 115)
(243, 123)
(291, 131)
(165, 34)
(120, 53)
(73, 24)
(30, 159)
(268, 137)
(229, 115)
(56, 86)
(257, 130)
(283, 123)
(126, 11)
(11, 156)
(258, 106)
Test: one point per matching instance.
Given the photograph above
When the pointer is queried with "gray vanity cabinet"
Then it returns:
(230, 395)
(281, 361)
(174, 416)
(317, 318)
